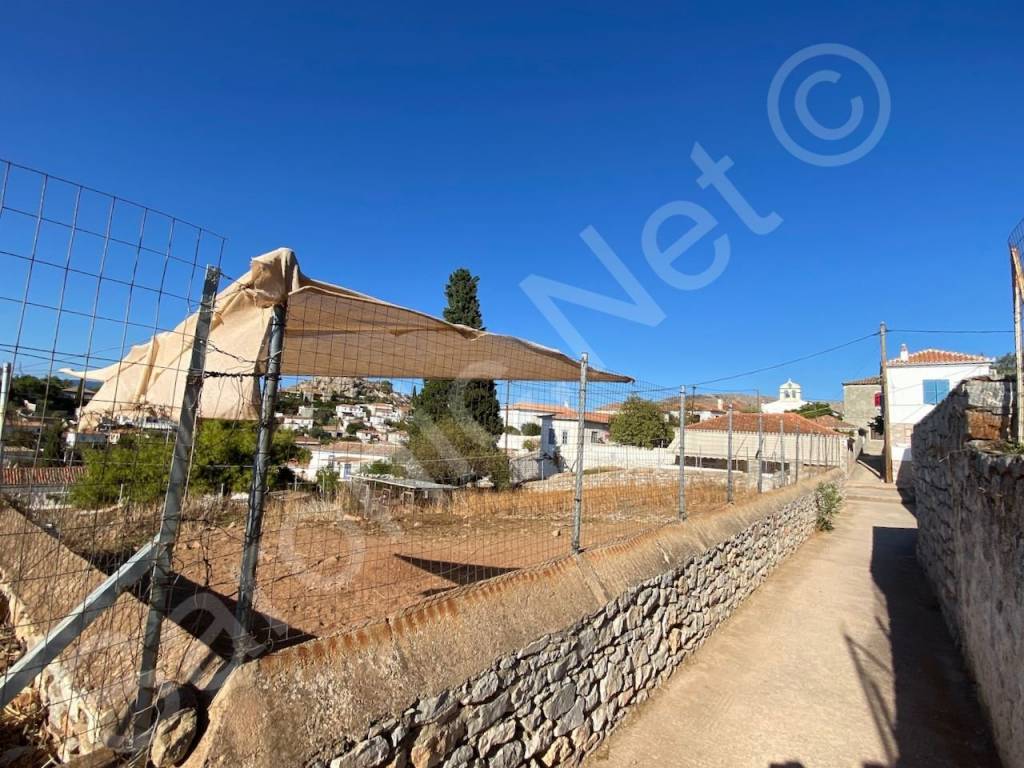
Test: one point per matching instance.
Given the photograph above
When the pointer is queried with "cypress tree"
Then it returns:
(475, 399)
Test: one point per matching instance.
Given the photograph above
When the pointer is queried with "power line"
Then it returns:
(789, 362)
(920, 330)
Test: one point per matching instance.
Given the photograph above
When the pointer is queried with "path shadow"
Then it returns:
(459, 574)
(936, 719)
(872, 462)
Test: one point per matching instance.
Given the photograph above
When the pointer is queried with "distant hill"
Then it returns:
(348, 388)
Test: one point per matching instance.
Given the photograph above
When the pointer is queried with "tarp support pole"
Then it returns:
(244, 642)
(581, 428)
(171, 516)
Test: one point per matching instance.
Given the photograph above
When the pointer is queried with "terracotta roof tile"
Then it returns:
(867, 380)
(747, 422)
(939, 357)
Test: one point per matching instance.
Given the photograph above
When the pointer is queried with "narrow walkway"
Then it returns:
(840, 659)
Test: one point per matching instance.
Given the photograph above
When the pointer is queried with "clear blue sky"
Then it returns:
(391, 144)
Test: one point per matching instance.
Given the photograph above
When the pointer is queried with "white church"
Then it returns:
(790, 399)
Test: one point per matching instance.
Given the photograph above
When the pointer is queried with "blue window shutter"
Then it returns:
(935, 390)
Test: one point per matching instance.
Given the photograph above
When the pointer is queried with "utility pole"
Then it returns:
(886, 421)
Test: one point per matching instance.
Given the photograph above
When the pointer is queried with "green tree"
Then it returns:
(640, 423)
(1006, 365)
(465, 399)
(531, 429)
(136, 468)
(48, 394)
(814, 410)
(457, 452)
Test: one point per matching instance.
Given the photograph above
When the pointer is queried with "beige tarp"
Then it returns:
(329, 331)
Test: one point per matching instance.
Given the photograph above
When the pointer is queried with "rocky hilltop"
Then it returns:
(348, 388)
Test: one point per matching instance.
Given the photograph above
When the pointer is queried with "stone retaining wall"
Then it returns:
(970, 509)
(532, 669)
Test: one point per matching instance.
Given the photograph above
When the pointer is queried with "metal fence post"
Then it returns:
(682, 452)
(171, 516)
(244, 643)
(5, 391)
(581, 428)
(796, 478)
(782, 447)
(728, 462)
(760, 445)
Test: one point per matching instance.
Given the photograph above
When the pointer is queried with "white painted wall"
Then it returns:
(906, 396)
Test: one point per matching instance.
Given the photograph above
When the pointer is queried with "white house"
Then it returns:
(790, 399)
(297, 423)
(345, 459)
(917, 381)
(353, 410)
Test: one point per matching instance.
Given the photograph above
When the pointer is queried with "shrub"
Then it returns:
(827, 499)
(530, 429)
(529, 445)
(456, 453)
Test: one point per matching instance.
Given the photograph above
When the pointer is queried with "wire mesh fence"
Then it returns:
(188, 481)
(87, 276)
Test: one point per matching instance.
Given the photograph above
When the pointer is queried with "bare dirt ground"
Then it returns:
(331, 566)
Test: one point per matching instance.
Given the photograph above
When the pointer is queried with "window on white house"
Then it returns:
(565, 437)
(935, 390)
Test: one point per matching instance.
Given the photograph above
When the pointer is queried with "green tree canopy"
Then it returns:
(137, 467)
(456, 452)
(640, 423)
(1006, 365)
(466, 400)
(814, 410)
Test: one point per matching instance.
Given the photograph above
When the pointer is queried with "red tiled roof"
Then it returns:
(747, 422)
(561, 412)
(42, 475)
(939, 357)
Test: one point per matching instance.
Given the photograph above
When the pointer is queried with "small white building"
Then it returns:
(297, 423)
(790, 399)
(917, 382)
(345, 459)
(350, 410)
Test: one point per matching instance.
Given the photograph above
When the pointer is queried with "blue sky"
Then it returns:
(388, 146)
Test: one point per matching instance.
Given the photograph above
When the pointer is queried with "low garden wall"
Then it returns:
(532, 668)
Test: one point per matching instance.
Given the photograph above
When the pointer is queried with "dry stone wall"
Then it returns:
(970, 509)
(546, 702)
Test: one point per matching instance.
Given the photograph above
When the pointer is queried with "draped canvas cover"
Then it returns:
(329, 331)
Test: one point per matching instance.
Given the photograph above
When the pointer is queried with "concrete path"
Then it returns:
(840, 659)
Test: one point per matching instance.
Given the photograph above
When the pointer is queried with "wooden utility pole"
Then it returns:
(886, 421)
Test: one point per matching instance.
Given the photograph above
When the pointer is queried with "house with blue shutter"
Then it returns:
(918, 381)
